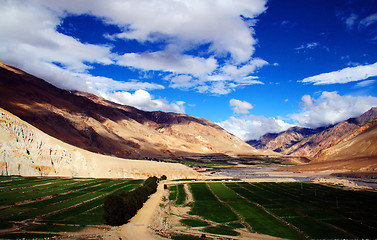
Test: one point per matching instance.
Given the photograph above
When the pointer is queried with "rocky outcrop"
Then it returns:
(26, 151)
(95, 124)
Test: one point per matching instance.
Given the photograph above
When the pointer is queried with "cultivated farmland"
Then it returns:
(286, 210)
(36, 207)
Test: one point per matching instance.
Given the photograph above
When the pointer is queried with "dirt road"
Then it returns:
(137, 228)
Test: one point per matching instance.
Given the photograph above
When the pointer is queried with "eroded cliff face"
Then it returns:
(23, 151)
(26, 151)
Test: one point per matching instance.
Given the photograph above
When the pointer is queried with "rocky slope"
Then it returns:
(100, 126)
(355, 151)
(27, 151)
(298, 141)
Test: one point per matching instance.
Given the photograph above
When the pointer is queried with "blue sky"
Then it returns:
(252, 66)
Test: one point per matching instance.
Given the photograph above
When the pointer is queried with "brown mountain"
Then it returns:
(281, 142)
(298, 141)
(355, 151)
(101, 126)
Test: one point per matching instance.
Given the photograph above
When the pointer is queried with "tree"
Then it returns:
(119, 208)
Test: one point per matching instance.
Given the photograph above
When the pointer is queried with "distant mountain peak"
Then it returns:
(298, 141)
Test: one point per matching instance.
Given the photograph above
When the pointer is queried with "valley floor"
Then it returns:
(177, 213)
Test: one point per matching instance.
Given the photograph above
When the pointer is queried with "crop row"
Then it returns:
(288, 210)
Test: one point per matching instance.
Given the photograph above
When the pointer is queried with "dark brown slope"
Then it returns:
(92, 123)
(298, 141)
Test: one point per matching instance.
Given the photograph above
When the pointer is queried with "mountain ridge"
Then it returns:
(98, 125)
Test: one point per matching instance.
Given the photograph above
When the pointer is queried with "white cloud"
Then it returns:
(253, 127)
(366, 22)
(345, 75)
(350, 21)
(143, 100)
(365, 83)
(224, 81)
(169, 61)
(310, 45)
(28, 32)
(194, 22)
(240, 106)
(307, 101)
(331, 108)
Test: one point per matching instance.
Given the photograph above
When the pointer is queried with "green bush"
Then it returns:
(119, 208)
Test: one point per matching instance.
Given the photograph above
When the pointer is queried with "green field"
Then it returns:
(286, 210)
(54, 204)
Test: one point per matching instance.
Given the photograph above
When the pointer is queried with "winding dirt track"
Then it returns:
(137, 227)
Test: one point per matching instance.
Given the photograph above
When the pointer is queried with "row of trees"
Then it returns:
(119, 208)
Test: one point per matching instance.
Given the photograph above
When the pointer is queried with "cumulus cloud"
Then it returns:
(349, 74)
(253, 127)
(331, 108)
(143, 100)
(222, 81)
(240, 106)
(169, 61)
(29, 40)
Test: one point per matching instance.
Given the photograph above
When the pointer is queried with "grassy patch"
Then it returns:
(235, 225)
(259, 219)
(185, 237)
(27, 235)
(317, 230)
(5, 225)
(173, 193)
(194, 222)
(364, 230)
(54, 228)
(181, 195)
(207, 206)
(222, 230)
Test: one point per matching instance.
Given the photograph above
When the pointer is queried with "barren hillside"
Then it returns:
(97, 125)
(25, 150)
(307, 142)
(355, 151)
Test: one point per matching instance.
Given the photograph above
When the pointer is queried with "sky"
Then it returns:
(251, 66)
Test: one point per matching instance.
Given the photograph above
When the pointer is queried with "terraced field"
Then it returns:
(36, 207)
(286, 210)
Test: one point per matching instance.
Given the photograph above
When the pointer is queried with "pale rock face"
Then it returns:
(26, 151)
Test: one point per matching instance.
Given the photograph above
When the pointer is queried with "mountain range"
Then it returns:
(306, 142)
(92, 123)
(347, 146)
